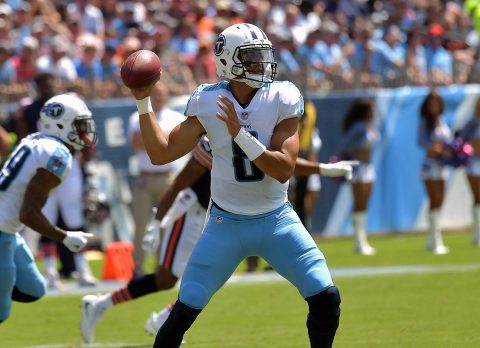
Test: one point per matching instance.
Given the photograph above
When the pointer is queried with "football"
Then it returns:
(140, 69)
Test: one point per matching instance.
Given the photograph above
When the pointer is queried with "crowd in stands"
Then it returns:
(320, 44)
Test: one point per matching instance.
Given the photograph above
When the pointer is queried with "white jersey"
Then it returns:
(238, 186)
(34, 152)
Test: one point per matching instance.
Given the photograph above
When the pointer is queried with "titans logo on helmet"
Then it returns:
(53, 110)
(220, 45)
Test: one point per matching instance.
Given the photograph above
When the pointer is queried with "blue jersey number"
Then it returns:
(245, 170)
(13, 166)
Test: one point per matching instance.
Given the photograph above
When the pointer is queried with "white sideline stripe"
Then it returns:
(272, 276)
(352, 272)
(389, 270)
(94, 345)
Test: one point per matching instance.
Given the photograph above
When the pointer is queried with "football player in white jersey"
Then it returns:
(37, 166)
(251, 123)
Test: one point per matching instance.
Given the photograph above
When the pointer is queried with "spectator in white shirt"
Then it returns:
(151, 180)
(58, 62)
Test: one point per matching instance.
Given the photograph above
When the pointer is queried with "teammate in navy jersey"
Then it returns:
(37, 166)
(251, 123)
(181, 215)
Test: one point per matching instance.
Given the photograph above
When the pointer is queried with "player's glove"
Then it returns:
(76, 240)
(342, 168)
(151, 239)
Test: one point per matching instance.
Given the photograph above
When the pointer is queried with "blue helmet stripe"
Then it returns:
(254, 35)
(263, 34)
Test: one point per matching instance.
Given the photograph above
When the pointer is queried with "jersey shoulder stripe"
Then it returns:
(52, 154)
(216, 86)
(58, 162)
(193, 104)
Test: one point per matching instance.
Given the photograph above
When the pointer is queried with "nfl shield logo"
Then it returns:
(57, 164)
(244, 115)
(218, 219)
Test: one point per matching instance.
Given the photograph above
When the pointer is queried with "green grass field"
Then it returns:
(438, 308)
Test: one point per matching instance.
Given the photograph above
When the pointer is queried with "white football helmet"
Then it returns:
(68, 118)
(244, 53)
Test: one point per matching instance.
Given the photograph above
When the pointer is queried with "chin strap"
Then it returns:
(253, 84)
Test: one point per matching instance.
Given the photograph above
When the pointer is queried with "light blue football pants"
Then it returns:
(279, 237)
(17, 269)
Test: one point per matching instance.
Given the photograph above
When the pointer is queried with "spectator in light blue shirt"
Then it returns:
(288, 67)
(88, 65)
(331, 53)
(185, 41)
(416, 59)
(389, 56)
(109, 65)
(439, 60)
(125, 20)
(359, 53)
(308, 54)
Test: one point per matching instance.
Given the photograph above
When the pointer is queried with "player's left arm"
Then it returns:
(278, 161)
(36, 195)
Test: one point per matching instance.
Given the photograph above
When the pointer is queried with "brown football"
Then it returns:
(140, 69)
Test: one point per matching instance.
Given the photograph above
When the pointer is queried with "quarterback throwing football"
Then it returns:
(251, 122)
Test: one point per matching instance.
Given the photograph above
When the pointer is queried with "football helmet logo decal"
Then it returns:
(219, 45)
(54, 110)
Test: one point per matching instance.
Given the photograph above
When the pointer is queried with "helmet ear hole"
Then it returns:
(60, 125)
(223, 61)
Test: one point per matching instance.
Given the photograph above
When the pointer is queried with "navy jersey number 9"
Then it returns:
(245, 170)
(13, 166)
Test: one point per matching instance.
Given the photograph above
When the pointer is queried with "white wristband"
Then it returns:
(329, 169)
(144, 106)
(249, 144)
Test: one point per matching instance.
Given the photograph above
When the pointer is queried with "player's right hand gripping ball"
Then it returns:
(141, 69)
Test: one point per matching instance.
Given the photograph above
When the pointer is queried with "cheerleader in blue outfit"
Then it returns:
(360, 136)
(471, 133)
(433, 135)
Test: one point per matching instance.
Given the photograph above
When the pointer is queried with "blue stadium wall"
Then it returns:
(398, 201)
